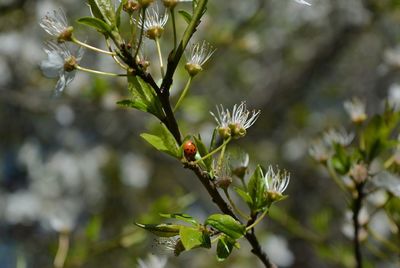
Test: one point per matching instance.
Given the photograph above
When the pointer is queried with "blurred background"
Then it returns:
(77, 161)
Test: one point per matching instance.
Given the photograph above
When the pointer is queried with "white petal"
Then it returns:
(61, 84)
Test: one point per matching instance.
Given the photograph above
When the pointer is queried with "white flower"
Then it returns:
(196, 55)
(319, 151)
(152, 261)
(235, 124)
(303, 2)
(154, 22)
(56, 24)
(276, 182)
(356, 109)
(394, 96)
(60, 63)
(341, 137)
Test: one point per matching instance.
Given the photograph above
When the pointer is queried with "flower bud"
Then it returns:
(193, 69)
(154, 33)
(223, 182)
(359, 173)
(237, 131)
(170, 3)
(145, 3)
(65, 35)
(131, 6)
(70, 64)
(224, 132)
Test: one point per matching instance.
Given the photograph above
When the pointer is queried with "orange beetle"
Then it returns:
(189, 150)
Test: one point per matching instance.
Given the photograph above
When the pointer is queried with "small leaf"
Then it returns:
(183, 217)
(118, 13)
(388, 181)
(103, 10)
(185, 15)
(191, 237)
(244, 195)
(224, 247)
(143, 97)
(161, 230)
(96, 23)
(164, 142)
(227, 225)
(256, 190)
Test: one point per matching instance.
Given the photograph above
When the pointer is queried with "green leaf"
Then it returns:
(192, 237)
(103, 10)
(224, 247)
(164, 142)
(93, 228)
(202, 149)
(180, 216)
(244, 195)
(227, 225)
(161, 230)
(96, 23)
(118, 13)
(143, 97)
(185, 15)
(256, 188)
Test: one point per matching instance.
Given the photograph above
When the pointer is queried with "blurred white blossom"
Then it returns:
(152, 261)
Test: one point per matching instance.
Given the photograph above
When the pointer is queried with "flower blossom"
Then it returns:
(303, 2)
(152, 261)
(196, 55)
(234, 124)
(356, 109)
(154, 22)
(341, 137)
(278, 181)
(61, 63)
(57, 25)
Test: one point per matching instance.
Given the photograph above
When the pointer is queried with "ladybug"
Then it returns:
(190, 150)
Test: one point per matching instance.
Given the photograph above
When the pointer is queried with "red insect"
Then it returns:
(190, 150)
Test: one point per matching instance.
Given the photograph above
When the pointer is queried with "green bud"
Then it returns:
(193, 69)
(224, 132)
(237, 131)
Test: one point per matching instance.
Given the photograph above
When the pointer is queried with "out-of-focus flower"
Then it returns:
(173, 244)
(154, 22)
(56, 24)
(319, 151)
(222, 173)
(303, 2)
(276, 183)
(196, 55)
(61, 63)
(356, 109)
(359, 173)
(341, 137)
(173, 3)
(152, 261)
(234, 124)
(239, 167)
(394, 96)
